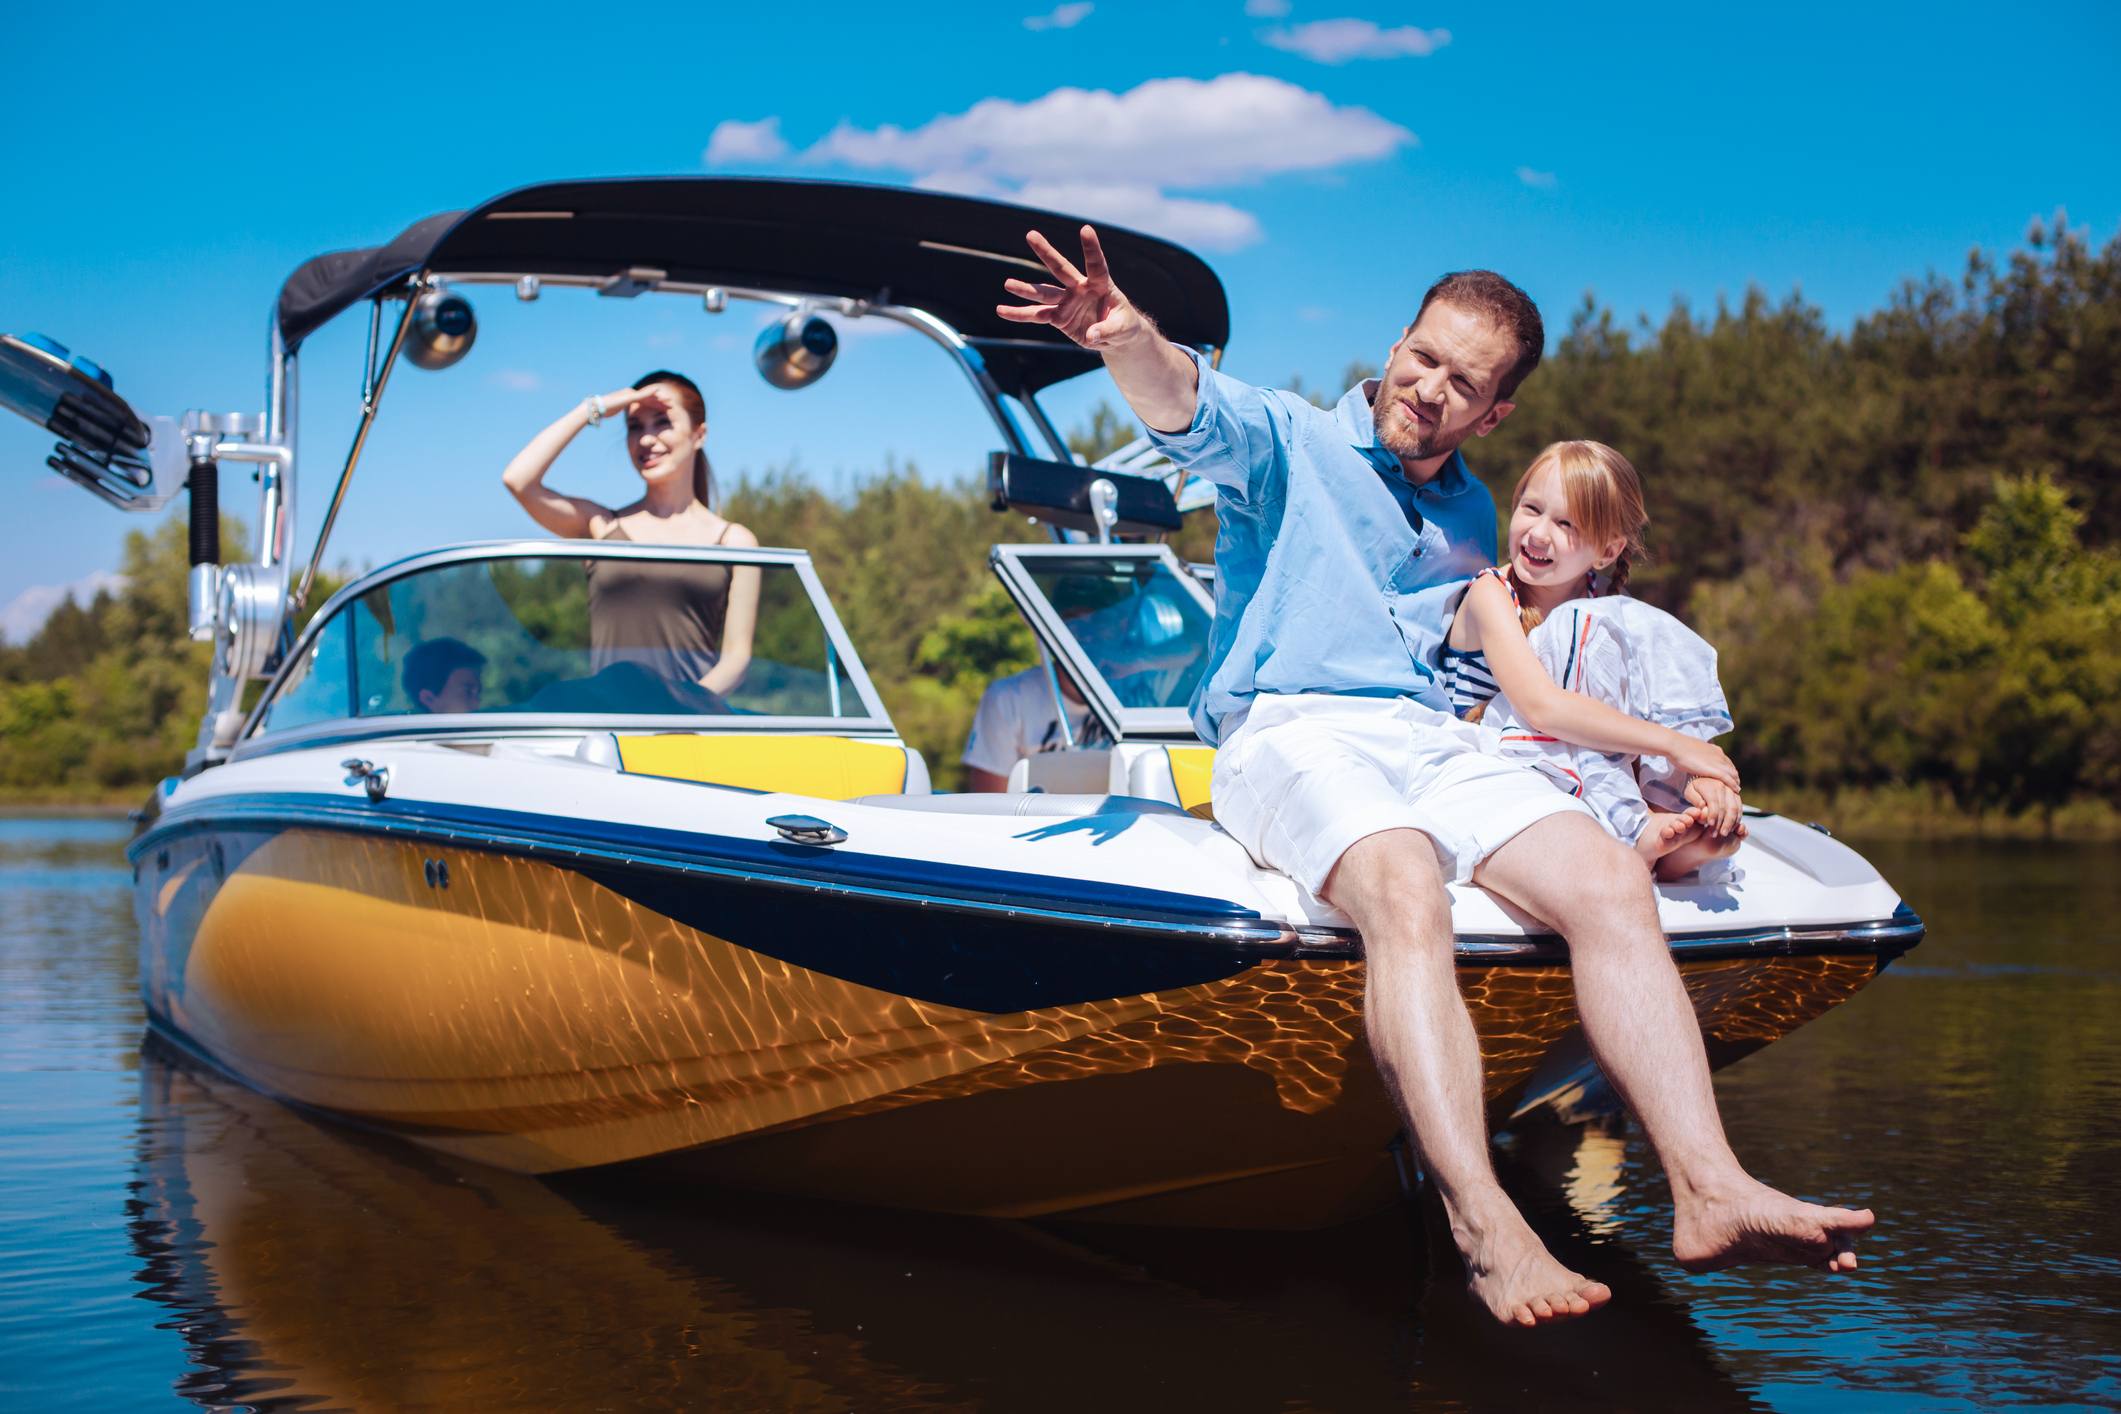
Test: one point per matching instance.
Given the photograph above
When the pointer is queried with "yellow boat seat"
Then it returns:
(1191, 768)
(827, 767)
(1179, 774)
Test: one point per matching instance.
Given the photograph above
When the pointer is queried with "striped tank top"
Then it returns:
(1466, 675)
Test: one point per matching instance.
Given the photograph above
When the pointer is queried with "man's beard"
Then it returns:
(1426, 441)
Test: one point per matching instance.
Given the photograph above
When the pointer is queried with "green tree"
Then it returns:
(1996, 682)
(2054, 727)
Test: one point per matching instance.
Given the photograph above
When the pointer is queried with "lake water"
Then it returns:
(168, 1239)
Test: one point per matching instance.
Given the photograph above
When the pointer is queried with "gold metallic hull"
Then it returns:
(519, 1013)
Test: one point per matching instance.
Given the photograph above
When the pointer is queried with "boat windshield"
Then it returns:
(569, 636)
(1137, 622)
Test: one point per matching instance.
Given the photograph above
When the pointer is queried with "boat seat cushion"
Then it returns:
(827, 767)
(1082, 770)
(1176, 772)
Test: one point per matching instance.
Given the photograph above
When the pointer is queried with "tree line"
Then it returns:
(1900, 536)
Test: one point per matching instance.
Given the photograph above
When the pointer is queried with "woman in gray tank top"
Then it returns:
(684, 623)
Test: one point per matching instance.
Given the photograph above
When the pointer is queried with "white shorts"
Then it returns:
(1304, 777)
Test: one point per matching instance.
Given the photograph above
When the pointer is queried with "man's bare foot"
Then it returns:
(1667, 832)
(1512, 1273)
(1691, 854)
(1751, 1222)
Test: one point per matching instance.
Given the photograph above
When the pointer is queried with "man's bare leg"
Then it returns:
(1641, 1027)
(1390, 884)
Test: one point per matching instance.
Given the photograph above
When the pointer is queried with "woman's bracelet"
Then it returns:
(594, 406)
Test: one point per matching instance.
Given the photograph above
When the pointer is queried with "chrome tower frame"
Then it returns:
(248, 609)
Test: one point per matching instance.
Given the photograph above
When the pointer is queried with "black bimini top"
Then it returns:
(944, 254)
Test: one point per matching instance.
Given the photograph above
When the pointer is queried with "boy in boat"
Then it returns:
(1018, 717)
(444, 675)
(1340, 763)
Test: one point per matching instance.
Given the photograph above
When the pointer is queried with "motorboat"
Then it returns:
(614, 918)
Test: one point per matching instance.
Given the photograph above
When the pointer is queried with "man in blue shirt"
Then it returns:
(1339, 762)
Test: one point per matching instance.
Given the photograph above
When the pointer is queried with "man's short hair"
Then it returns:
(428, 665)
(1486, 293)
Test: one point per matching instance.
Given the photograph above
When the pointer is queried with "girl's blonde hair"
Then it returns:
(1605, 502)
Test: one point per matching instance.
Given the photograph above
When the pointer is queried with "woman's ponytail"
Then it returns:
(702, 479)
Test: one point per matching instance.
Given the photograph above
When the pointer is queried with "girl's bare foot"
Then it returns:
(1666, 833)
(1751, 1222)
(1697, 851)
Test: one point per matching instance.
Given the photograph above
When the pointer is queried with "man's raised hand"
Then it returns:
(1156, 378)
(1083, 304)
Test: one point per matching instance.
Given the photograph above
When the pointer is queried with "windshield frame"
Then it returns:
(255, 739)
(1014, 566)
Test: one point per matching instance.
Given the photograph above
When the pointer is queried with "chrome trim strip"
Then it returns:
(1885, 938)
(1890, 936)
(1270, 938)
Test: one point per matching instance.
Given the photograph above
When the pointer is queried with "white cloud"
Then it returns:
(1314, 313)
(734, 141)
(1130, 157)
(1338, 41)
(1533, 177)
(1216, 225)
(1166, 132)
(514, 380)
(24, 614)
(1063, 17)
(1266, 9)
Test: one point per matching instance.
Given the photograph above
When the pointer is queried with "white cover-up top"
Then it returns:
(1635, 657)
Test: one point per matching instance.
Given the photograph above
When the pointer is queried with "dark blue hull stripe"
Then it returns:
(995, 955)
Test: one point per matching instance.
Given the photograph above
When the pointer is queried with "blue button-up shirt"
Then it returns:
(1326, 550)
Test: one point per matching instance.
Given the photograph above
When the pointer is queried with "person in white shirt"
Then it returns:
(1017, 719)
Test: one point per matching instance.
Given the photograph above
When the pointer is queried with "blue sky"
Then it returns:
(1328, 156)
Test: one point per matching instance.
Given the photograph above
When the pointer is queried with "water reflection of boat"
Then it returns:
(611, 917)
(307, 1266)
(311, 1267)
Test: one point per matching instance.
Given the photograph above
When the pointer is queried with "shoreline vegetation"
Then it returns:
(1900, 538)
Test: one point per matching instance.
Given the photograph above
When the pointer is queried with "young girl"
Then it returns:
(1553, 625)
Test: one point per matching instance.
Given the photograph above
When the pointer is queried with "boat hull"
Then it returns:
(539, 1014)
